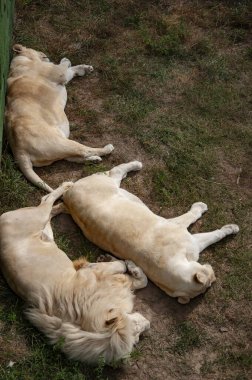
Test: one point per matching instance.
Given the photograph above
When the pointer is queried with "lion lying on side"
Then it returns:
(37, 126)
(88, 306)
(118, 222)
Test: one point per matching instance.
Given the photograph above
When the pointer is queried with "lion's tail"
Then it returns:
(25, 165)
(114, 344)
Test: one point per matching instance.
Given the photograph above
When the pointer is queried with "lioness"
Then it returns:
(37, 126)
(120, 223)
(87, 307)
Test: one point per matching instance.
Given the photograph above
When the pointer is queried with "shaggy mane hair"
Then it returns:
(88, 314)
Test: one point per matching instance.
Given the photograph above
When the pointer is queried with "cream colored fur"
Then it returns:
(37, 126)
(88, 310)
(118, 222)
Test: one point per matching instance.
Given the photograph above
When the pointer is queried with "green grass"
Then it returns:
(237, 283)
(43, 359)
(74, 244)
(168, 41)
(135, 354)
(38, 358)
(215, 68)
(90, 116)
(188, 338)
(231, 360)
(62, 240)
(91, 168)
(130, 107)
(15, 190)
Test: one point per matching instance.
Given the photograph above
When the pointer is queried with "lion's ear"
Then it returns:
(200, 278)
(18, 48)
(111, 321)
(183, 300)
(112, 317)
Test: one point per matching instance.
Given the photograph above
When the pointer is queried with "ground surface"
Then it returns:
(171, 88)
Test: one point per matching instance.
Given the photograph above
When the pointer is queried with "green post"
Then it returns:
(6, 20)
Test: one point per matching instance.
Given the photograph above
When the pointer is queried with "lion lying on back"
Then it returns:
(37, 126)
(120, 223)
(88, 307)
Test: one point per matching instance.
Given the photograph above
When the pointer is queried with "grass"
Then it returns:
(234, 287)
(188, 338)
(74, 243)
(97, 168)
(169, 41)
(173, 84)
(14, 190)
(35, 358)
(41, 359)
(130, 107)
(90, 116)
(233, 359)
(62, 241)
(135, 354)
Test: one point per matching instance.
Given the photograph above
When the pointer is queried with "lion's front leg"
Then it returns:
(79, 70)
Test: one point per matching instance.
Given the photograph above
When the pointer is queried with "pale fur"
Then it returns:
(88, 311)
(37, 126)
(120, 223)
